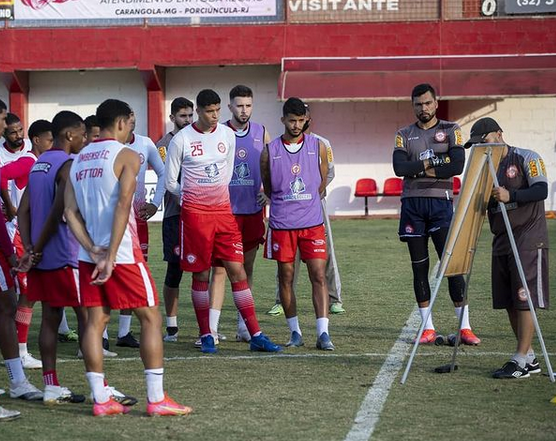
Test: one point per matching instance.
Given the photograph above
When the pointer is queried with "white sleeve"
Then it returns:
(172, 168)
(155, 161)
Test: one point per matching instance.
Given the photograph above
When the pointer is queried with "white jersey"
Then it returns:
(148, 154)
(8, 156)
(97, 191)
(206, 162)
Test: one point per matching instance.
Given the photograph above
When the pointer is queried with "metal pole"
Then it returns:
(521, 272)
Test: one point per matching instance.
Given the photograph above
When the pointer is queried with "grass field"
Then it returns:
(305, 394)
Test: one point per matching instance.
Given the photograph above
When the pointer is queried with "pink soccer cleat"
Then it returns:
(111, 407)
(428, 336)
(167, 407)
(469, 338)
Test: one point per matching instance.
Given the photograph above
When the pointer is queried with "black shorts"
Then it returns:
(422, 216)
(171, 239)
(507, 289)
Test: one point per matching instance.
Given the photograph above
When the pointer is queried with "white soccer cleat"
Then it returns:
(8, 415)
(105, 352)
(25, 391)
(171, 338)
(58, 395)
(30, 362)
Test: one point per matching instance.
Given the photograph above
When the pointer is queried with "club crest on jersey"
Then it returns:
(511, 172)
(296, 169)
(242, 153)
(191, 258)
(409, 229)
(221, 147)
(440, 136)
(142, 158)
(212, 170)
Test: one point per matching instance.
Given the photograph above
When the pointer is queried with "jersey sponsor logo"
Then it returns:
(399, 142)
(427, 154)
(511, 172)
(212, 175)
(297, 187)
(242, 172)
(191, 258)
(41, 167)
(296, 169)
(440, 136)
(142, 158)
(221, 147)
(533, 169)
(242, 153)
(319, 250)
(458, 137)
(162, 152)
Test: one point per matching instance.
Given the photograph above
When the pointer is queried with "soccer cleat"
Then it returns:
(25, 391)
(428, 336)
(30, 362)
(105, 352)
(171, 335)
(167, 407)
(337, 308)
(111, 407)
(207, 344)
(126, 400)
(469, 338)
(8, 415)
(71, 335)
(243, 336)
(58, 395)
(324, 343)
(295, 340)
(128, 341)
(553, 401)
(262, 343)
(216, 337)
(511, 370)
(534, 367)
(276, 310)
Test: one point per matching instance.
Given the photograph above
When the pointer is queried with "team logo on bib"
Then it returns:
(191, 258)
(221, 147)
(297, 186)
(296, 169)
(242, 170)
(142, 158)
(440, 136)
(511, 172)
(242, 153)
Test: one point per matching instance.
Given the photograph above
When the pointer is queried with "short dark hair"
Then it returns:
(65, 120)
(241, 91)
(110, 110)
(421, 89)
(3, 106)
(207, 97)
(12, 118)
(294, 106)
(39, 127)
(90, 122)
(180, 103)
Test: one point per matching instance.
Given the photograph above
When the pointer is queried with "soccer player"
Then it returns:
(20, 387)
(50, 265)
(333, 280)
(246, 197)
(112, 271)
(523, 187)
(294, 167)
(181, 115)
(428, 154)
(204, 153)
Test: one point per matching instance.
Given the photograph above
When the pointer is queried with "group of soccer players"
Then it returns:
(80, 219)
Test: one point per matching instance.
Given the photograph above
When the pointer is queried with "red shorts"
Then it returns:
(6, 278)
(143, 236)
(131, 286)
(63, 287)
(251, 227)
(281, 245)
(206, 238)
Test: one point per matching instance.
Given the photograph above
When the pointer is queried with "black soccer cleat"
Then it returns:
(128, 341)
(534, 367)
(511, 370)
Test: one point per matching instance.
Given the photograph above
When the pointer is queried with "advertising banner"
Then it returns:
(119, 9)
(6, 9)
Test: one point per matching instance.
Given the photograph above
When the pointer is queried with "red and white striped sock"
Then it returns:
(201, 303)
(22, 322)
(50, 378)
(243, 298)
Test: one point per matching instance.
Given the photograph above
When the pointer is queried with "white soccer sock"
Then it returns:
(428, 324)
(155, 388)
(22, 349)
(293, 324)
(96, 383)
(465, 323)
(172, 322)
(124, 325)
(63, 328)
(15, 370)
(322, 326)
(241, 327)
(105, 333)
(530, 356)
(214, 319)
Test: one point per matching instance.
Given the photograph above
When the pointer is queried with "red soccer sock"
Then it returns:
(243, 298)
(201, 303)
(50, 378)
(22, 322)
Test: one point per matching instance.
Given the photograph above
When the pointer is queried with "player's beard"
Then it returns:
(293, 135)
(425, 117)
(242, 120)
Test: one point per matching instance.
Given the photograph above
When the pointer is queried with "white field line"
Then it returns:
(369, 413)
(215, 358)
